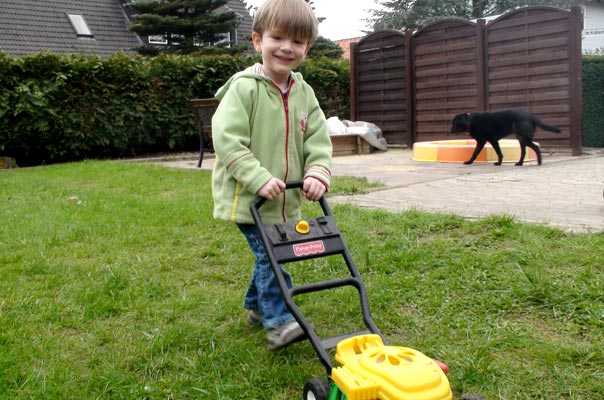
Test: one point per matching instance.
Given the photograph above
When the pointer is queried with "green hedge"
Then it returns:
(593, 106)
(56, 108)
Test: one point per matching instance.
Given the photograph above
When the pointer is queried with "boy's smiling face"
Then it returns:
(281, 54)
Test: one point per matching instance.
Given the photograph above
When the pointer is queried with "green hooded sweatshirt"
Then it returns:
(259, 133)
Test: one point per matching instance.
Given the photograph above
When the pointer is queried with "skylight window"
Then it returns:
(79, 25)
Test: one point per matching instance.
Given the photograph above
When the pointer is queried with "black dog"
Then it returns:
(491, 126)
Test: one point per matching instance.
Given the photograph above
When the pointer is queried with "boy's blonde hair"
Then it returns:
(293, 18)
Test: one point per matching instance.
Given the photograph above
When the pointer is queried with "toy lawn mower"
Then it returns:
(368, 368)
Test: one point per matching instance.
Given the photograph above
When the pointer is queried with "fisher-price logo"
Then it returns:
(305, 249)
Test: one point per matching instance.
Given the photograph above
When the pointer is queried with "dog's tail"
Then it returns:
(545, 126)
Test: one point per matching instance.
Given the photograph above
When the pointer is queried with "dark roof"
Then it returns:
(31, 26)
(244, 29)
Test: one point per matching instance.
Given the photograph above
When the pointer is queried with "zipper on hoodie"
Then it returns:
(285, 98)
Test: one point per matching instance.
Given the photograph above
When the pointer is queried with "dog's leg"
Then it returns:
(525, 133)
(537, 150)
(522, 154)
(479, 146)
(497, 149)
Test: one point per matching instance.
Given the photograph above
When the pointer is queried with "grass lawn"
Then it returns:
(116, 283)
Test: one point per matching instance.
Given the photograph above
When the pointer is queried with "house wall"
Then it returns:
(345, 46)
(593, 28)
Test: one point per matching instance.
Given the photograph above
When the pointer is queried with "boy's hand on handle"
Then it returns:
(313, 189)
(273, 188)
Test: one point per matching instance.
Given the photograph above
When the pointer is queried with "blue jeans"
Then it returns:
(263, 294)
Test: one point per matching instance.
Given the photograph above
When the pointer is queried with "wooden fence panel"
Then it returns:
(379, 95)
(529, 65)
(411, 85)
(446, 66)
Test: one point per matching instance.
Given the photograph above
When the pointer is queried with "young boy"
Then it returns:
(269, 129)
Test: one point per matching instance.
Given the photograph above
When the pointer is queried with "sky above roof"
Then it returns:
(344, 19)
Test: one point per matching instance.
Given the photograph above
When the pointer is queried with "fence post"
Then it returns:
(482, 70)
(410, 94)
(353, 82)
(576, 80)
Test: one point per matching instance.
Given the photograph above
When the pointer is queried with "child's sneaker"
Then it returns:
(254, 318)
(285, 334)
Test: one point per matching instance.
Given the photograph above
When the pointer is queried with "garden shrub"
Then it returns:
(593, 107)
(57, 108)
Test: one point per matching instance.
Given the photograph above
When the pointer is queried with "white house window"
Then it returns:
(158, 39)
(79, 25)
(223, 39)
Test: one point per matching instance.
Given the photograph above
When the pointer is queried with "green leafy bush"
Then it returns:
(330, 80)
(56, 108)
(593, 107)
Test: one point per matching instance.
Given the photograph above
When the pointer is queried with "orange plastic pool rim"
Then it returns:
(458, 151)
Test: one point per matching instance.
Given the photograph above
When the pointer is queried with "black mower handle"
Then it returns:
(331, 239)
(299, 184)
(288, 185)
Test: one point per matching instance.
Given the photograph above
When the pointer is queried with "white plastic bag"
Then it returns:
(370, 132)
(335, 126)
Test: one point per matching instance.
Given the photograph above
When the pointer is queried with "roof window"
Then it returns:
(79, 25)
